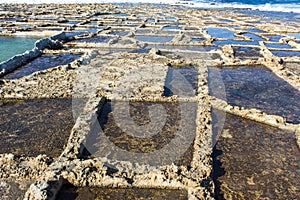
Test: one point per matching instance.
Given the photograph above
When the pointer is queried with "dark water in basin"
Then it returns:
(122, 33)
(46, 61)
(154, 133)
(121, 15)
(95, 39)
(274, 38)
(221, 33)
(254, 30)
(197, 39)
(188, 48)
(181, 81)
(286, 53)
(225, 20)
(235, 42)
(172, 27)
(35, 127)
(255, 161)
(244, 53)
(257, 87)
(154, 39)
(140, 51)
(253, 37)
(70, 192)
(278, 45)
(150, 20)
(73, 23)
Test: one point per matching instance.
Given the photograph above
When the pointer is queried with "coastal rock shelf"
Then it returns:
(146, 101)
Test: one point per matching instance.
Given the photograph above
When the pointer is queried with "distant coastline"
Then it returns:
(278, 6)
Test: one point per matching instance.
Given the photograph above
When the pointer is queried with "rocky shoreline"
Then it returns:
(131, 56)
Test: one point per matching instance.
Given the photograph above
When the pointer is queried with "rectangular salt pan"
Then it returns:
(220, 33)
(254, 160)
(153, 133)
(235, 42)
(11, 46)
(278, 46)
(182, 81)
(257, 87)
(154, 39)
(46, 61)
(85, 193)
(286, 53)
(34, 127)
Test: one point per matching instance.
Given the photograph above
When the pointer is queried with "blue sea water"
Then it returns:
(256, 2)
(262, 5)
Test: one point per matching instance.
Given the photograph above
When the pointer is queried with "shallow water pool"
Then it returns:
(154, 39)
(235, 42)
(278, 46)
(257, 87)
(254, 161)
(286, 53)
(181, 81)
(46, 61)
(95, 39)
(144, 132)
(35, 127)
(220, 33)
(244, 53)
(70, 192)
(11, 46)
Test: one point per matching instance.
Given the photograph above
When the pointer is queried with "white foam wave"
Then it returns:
(263, 7)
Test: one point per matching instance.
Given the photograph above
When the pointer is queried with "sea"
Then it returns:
(262, 5)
